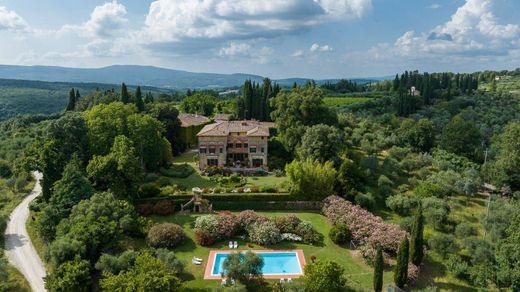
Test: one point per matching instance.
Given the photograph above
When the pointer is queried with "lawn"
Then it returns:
(358, 273)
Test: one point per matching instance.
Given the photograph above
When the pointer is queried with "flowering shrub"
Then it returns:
(163, 208)
(166, 235)
(204, 237)
(413, 273)
(288, 223)
(227, 224)
(248, 217)
(363, 225)
(208, 223)
(307, 232)
(291, 237)
(264, 233)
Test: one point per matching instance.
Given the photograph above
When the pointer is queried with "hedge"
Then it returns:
(243, 197)
(268, 206)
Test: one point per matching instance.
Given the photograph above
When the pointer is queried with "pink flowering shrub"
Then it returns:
(248, 217)
(413, 273)
(287, 223)
(363, 225)
(227, 224)
(264, 233)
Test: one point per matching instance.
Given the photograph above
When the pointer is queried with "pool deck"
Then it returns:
(212, 256)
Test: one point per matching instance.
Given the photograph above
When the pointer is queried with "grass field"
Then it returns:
(332, 101)
(511, 85)
(358, 273)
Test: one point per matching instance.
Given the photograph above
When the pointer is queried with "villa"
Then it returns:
(234, 144)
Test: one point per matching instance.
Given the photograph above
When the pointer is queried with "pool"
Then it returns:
(277, 264)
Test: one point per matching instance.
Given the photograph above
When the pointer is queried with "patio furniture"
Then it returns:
(230, 244)
(233, 282)
(289, 280)
(235, 244)
(282, 280)
(195, 262)
(197, 259)
(223, 282)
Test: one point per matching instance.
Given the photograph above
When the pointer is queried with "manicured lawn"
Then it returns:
(359, 274)
(186, 157)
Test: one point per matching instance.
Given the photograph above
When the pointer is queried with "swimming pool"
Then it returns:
(277, 264)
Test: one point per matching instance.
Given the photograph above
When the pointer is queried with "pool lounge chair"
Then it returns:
(223, 282)
(235, 244)
(197, 259)
(282, 280)
(233, 282)
(289, 280)
(195, 262)
(230, 244)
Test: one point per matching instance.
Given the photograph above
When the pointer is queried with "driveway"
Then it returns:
(18, 246)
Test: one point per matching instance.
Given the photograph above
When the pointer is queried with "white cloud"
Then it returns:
(106, 21)
(318, 48)
(260, 55)
(435, 6)
(175, 21)
(297, 54)
(9, 20)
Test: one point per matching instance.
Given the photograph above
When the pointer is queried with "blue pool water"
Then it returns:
(275, 263)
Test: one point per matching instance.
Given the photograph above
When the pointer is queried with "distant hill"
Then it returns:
(143, 75)
(18, 97)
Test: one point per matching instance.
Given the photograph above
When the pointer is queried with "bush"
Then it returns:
(178, 171)
(307, 232)
(264, 233)
(401, 204)
(406, 223)
(149, 190)
(268, 189)
(144, 209)
(465, 229)
(166, 235)
(227, 224)
(164, 208)
(436, 212)
(287, 224)
(339, 234)
(208, 223)
(366, 201)
(204, 237)
(212, 170)
(457, 266)
(248, 217)
(443, 244)
(5, 169)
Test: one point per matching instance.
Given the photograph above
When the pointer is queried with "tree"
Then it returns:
(461, 136)
(294, 110)
(339, 234)
(70, 276)
(148, 274)
(324, 276)
(508, 158)
(168, 115)
(202, 103)
(310, 179)
(416, 240)
(420, 135)
(166, 235)
(119, 171)
(401, 267)
(322, 143)
(349, 179)
(139, 99)
(72, 100)
(125, 96)
(378, 270)
(243, 267)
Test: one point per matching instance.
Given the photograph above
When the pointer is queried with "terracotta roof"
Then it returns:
(223, 128)
(222, 117)
(192, 120)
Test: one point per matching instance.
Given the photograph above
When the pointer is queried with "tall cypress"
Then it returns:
(77, 95)
(125, 97)
(248, 92)
(378, 270)
(401, 267)
(416, 240)
(139, 99)
(72, 100)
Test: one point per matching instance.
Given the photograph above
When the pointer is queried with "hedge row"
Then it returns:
(243, 197)
(267, 206)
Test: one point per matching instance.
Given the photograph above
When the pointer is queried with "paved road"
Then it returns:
(19, 248)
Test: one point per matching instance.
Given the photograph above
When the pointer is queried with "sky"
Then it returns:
(276, 38)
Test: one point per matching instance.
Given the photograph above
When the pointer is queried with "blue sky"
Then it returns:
(277, 38)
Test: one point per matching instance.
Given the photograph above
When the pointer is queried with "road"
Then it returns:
(18, 246)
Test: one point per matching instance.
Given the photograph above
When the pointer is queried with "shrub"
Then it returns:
(443, 244)
(208, 223)
(366, 201)
(5, 169)
(324, 276)
(164, 208)
(144, 209)
(307, 232)
(465, 229)
(149, 190)
(457, 266)
(287, 224)
(227, 224)
(264, 233)
(212, 170)
(339, 234)
(169, 259)
(406, 223)
(401, 203)
(268, 189)
(310, 179)
(436, 212)
(178, 171)
(248, 217)
(204, 237)
(166, 235)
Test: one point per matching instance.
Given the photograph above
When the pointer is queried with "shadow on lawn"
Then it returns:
(432, 269)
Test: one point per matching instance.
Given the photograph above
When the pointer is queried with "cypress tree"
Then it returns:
(72, 101)
(401, 267)
(416, 240)
(139, 99)
(395, 85)
(248, 99)
(77, 95)
(378, 270)
(125, 97)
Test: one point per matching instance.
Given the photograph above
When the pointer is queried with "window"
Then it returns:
(202, 150)
(262, 149)
(212, 162)
(238, 145)
(230, 145)
(211, 150)
(258, 162)
(221, 150)
(246, 145)
(252, 150)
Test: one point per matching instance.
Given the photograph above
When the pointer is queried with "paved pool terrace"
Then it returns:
(277, 263)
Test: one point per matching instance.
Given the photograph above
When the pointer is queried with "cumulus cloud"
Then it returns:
(297, 54)
(320, 48)
(175, 21)
(10, 20)
(435, 6)
(260, 55)
(106, 21)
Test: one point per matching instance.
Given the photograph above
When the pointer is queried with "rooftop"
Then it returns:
(192, 120)
(223, 128)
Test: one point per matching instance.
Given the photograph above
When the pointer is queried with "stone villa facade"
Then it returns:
(234, 144)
